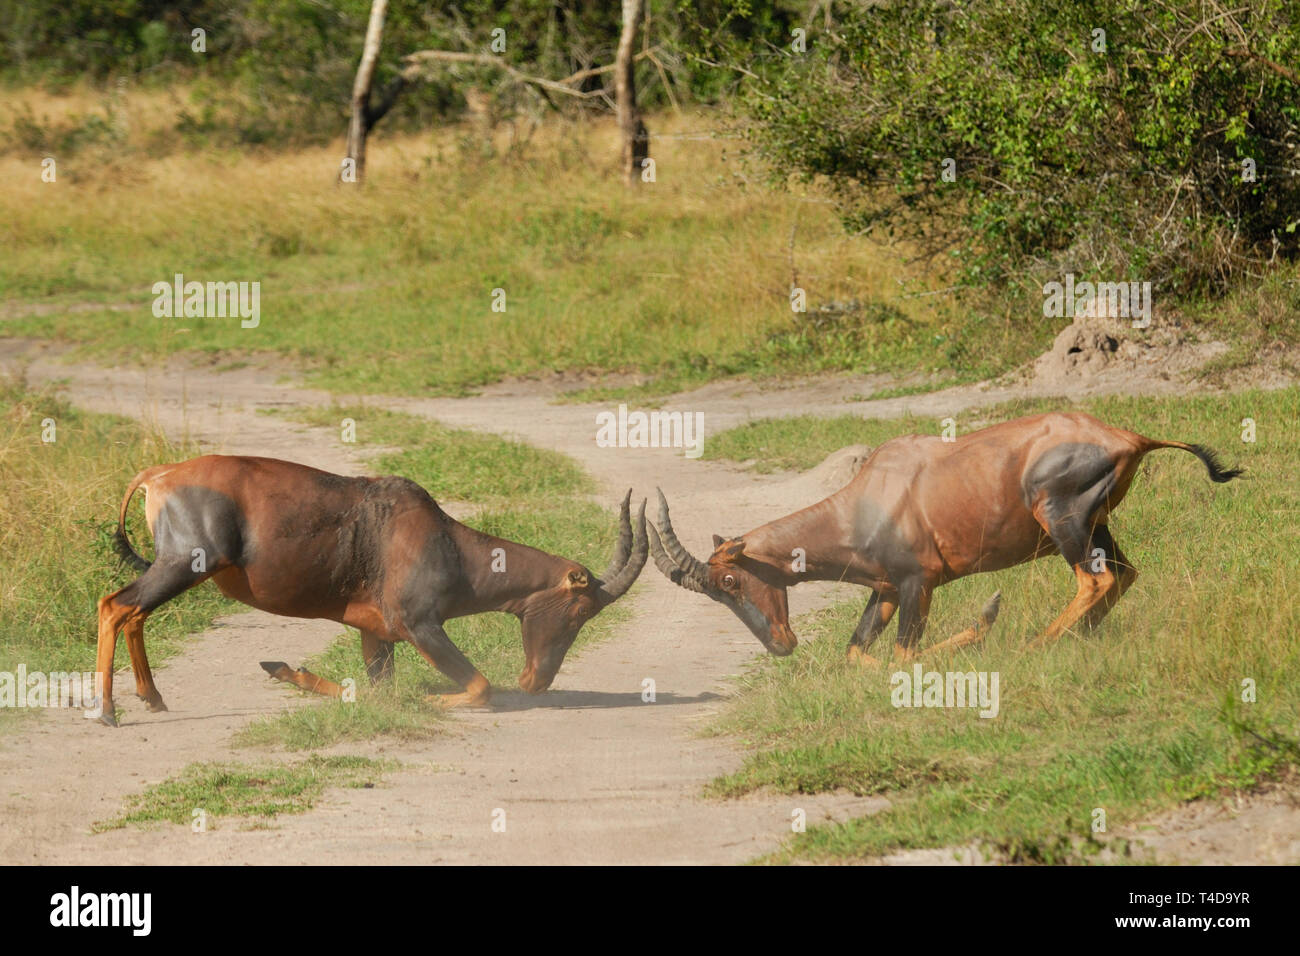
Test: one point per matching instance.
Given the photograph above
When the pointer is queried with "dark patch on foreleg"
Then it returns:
(913, 612)
(875, 618)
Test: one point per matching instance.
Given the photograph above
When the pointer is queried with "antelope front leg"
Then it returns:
(914, 611)
(875, 619)
(302, 679)
(436, 647)
(378, 654)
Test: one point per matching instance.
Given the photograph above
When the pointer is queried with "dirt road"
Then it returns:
(588, 773)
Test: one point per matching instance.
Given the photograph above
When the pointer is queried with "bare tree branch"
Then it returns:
(360, 124)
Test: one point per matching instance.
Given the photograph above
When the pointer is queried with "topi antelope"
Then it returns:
(922, 512)
(377, 554)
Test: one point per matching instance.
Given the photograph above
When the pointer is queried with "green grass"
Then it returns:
(242, 790)
(802, 441)
(903, 391)
(454, 463)
(1256, 320)
(680, 282)
(59, 500)
(683, 281)
(1139, 717)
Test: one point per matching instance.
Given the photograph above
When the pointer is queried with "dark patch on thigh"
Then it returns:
(1074, 479)
(166, 578)
(196, 517)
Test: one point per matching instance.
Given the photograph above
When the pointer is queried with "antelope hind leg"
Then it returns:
(145, 688)
(1124, 572)
(973, 634)
(1093, 589)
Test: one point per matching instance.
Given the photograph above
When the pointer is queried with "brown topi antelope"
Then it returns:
(377, 554)
(922, 512)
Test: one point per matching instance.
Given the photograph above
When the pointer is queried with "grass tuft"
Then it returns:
(243, 790)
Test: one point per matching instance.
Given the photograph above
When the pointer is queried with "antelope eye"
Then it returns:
(729, 581)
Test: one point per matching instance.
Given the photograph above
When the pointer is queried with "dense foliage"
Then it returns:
(287, 65)
(1124, 140)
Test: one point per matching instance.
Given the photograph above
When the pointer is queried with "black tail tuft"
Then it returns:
(127, 553)
(1211, 460)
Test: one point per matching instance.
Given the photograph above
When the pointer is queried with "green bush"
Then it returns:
(1115, 156)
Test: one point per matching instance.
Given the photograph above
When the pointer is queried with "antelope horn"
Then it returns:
(670, 570)
(617, 585)
(624, 546)
(681, 557)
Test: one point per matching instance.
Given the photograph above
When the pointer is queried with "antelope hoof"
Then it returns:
(155, 706)
(106, 715)
(860, 657)
(466, 699)
(277, 669)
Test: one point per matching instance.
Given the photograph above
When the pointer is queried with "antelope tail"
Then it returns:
(121, 544)
(1211, 460)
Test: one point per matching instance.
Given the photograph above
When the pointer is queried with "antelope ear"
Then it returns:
(735, 548)
(717, 540)
(576, 579)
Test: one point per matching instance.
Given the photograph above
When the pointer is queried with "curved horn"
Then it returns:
(624, 546)
(614, 588)
(670, 570)
(681, 557)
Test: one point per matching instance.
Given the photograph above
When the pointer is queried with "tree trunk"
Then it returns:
(361, 121)
(636, 138)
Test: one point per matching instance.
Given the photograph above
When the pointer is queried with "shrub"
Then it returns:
(1102, 137)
